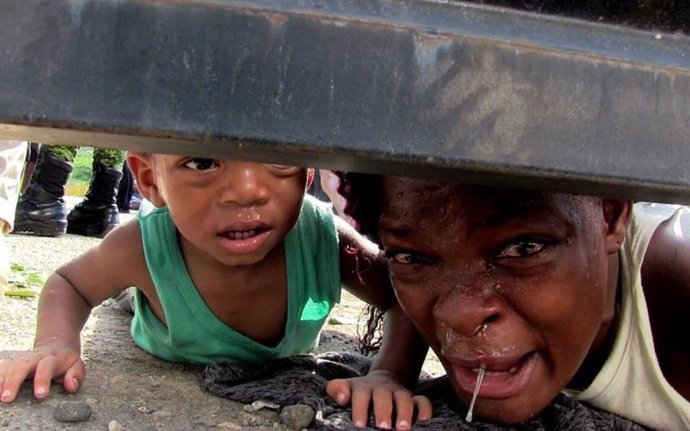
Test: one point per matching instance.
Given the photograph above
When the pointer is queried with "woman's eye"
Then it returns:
(200, 164)
(524, 248)
(407, 258)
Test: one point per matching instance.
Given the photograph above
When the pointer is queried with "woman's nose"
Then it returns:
(244, 184)
(469, 309)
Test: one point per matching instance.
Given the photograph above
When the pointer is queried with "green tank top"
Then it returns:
(195, 335)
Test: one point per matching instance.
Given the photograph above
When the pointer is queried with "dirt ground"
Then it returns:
(126, 388)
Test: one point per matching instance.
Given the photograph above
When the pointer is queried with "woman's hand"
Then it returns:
(387, 394)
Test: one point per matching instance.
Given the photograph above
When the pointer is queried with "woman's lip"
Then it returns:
(497, 384)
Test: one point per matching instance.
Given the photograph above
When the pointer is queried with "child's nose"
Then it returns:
(244, 184)
(470, 309)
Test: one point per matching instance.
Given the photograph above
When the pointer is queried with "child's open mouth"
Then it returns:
(239, 235)
(504, 377)
(243, 240)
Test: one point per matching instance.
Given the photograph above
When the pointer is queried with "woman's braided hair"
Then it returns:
(364, 196)
(363, 193)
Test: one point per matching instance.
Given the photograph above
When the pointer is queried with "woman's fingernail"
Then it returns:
(75, 382)
(6, 394)
(403, 425)
(341, 399)
(40, 390)
(384, 425)
(359, 424)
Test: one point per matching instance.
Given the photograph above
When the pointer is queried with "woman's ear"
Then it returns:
(617, 215)
(142, 167)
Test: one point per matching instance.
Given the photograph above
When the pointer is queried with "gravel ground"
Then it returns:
(126, 388)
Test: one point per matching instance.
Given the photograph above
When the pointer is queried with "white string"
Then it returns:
(480, 377)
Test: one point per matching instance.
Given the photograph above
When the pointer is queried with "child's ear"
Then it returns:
(617, 214)
(143, 171)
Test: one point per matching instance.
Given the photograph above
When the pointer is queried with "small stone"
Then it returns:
(229, 426)
(144, 409)
(260, 404)
(72, 411)
(250, 420)
(114, 426)
(297, 417)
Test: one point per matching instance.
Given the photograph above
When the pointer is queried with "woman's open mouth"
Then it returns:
(503, 378)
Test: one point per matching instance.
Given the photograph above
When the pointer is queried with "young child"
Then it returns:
(545, 292)
(234, 264)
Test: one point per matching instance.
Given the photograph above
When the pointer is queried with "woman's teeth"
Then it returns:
(511, 371)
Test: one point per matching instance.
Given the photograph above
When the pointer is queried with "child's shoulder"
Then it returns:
(314, 204)
(147, 209)
(116, 258)
(125, 236)
(315, 211)
(154, 221)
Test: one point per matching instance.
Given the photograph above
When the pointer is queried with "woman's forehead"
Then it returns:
(420, 198)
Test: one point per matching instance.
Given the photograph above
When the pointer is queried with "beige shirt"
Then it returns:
(630, 383)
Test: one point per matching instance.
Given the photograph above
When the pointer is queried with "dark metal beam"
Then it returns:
(426, 88)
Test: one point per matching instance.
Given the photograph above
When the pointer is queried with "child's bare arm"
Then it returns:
(64, 306)
(363, 268)
(398, 363)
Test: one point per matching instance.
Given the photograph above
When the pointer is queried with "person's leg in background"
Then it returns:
(124, 191)
(97, 214)
(41, 209)
(30, 166)
(12, 158)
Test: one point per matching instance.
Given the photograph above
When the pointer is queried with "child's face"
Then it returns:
(236, 212)
(514, 282)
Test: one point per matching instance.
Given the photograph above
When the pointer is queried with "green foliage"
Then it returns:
(24, 284)
(33, 279)
(81, 174)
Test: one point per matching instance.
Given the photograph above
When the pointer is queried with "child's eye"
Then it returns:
(285, 169)
(523, 248)
(200, 164)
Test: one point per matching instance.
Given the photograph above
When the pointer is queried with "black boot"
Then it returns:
(41, 209)
(97, 214)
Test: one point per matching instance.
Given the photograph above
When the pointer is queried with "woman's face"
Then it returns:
(512, 282)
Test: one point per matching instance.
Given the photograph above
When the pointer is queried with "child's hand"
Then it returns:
(387, 394)
(45, 363)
